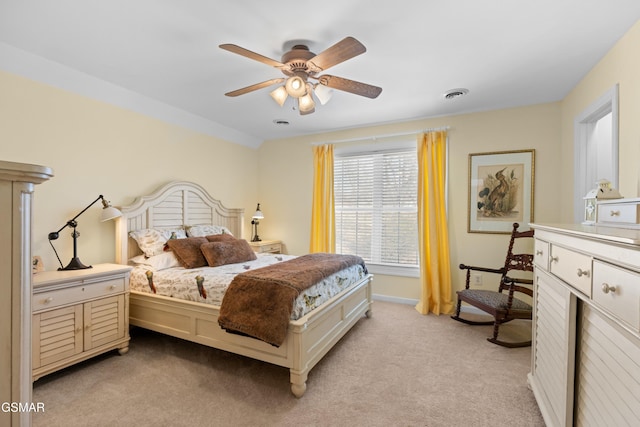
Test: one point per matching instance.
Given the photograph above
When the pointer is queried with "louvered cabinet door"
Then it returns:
(57, 335)
(103, 321)
(553, 364)
(608, 373)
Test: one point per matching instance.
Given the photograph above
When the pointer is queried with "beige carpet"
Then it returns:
(398, 368)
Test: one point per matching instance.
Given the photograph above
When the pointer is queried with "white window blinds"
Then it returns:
(376, 206)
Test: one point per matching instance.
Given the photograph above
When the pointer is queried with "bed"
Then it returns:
(308, 338)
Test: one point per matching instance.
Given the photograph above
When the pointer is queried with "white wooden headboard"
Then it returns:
(176, 204)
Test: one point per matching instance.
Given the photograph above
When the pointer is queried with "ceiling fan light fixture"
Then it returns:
(306, 105)
(279, 95)
(323, 93)
(296, 86)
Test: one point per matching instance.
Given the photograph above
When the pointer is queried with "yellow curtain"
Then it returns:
(433, 238)
(323, 228)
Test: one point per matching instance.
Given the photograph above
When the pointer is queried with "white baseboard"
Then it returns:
(411, 301)
(397, 300)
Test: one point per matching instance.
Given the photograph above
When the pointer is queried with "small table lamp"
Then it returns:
(108, 212)
(254, 221)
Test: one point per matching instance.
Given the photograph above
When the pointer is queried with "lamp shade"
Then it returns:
(323, 93)
(296, 86)
(258, 214)
(279, 95)
(306, 105)
(109, 213)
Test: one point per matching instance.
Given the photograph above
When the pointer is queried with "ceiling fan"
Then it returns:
(302, 68)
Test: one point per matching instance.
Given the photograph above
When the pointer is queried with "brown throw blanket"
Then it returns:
(259, 303)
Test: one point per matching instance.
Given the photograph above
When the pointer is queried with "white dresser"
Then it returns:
(585, 366)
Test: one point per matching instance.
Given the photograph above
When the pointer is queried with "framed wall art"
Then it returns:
(500, 191)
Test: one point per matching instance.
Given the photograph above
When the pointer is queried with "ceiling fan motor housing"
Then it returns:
(296, 60)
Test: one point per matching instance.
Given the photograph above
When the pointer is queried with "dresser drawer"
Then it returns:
(619, 213)
(617, 291)
(572, 267)
(47, 300)
(541, 254)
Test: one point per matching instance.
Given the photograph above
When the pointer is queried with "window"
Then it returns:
(376, 208)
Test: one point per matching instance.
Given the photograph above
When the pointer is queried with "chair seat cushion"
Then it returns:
(497, 300)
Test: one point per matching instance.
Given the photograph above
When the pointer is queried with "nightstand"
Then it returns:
(267, 246)
(78, 314)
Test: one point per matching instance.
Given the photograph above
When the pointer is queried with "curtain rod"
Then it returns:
(388, 135)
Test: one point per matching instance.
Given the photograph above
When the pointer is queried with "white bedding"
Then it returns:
(178, 282)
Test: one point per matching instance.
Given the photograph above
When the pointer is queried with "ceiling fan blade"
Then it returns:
(254, 87)
(252, 55)
(345, 49)
(351, 86)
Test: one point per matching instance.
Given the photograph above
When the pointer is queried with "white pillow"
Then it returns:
(151, 241)
(206, 230)
(158, 262)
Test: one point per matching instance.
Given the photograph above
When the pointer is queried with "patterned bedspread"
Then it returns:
(208, 284)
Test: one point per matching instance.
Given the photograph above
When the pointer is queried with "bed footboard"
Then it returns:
(308, 338)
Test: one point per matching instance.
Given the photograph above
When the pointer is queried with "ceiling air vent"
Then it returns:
(456, 93)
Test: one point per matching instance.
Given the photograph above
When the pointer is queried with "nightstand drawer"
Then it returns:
(267, 246)
(617, 291)
(47, 300)
(274, 247)
(572, 267)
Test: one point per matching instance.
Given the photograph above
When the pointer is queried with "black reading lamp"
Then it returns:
(108, 212)
(254, 221)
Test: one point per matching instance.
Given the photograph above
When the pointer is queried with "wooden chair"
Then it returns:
(502, 304)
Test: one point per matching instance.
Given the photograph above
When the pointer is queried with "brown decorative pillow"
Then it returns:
(188, 251)
(227, 252)
(220, 238)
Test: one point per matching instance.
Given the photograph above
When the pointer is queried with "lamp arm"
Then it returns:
(72, 221)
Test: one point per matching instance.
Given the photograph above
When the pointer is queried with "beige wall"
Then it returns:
(95, 148)
(286, 169)
(620, 66)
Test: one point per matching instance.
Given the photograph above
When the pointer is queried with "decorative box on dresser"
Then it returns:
(267, 246)
(17, 182)
(78, 314)
(585, 366)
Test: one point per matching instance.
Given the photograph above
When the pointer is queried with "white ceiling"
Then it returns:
(506, 52)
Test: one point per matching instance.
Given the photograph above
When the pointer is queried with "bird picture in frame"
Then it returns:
(500, 195)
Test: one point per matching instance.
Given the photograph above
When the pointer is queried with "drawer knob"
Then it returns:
(48, 300)
(87, 327)
(539, 252)
(78, 330)
(112, 287)
(606, 288)
(553, 259)
(614, 213)
(582, 272)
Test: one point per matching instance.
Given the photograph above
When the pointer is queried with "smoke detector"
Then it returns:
(455, 93)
